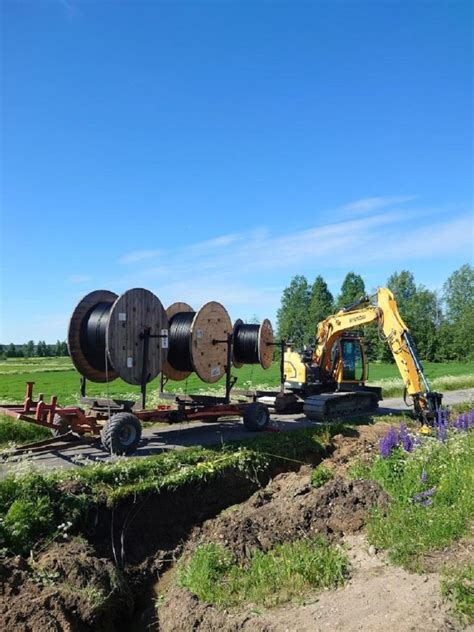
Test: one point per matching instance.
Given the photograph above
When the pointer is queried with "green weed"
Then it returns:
(284, 573)
(320, 475)
(457, 587)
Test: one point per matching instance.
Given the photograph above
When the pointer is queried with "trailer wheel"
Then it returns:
(122, 433)
(62, 426)
(256, 417)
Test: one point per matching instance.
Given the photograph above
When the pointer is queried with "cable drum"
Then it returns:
(106, 337)
(197, 341)
(253, 344)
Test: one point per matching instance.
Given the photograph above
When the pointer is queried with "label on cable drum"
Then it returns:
(164, 341)
(215, 371)
(122, 316)
(199, 333)
(129, 362)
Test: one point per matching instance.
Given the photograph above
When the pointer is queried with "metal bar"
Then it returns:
(228, 377)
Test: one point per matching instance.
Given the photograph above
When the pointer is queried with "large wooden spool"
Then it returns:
(79, 359)
(264, 344)
(207, 344)
(130, 316)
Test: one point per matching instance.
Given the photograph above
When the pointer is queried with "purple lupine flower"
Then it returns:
(427, 502)
(388, 443)
(422, 496)
(406, 440)
(424, 476)
(464, 422)
(441, 424)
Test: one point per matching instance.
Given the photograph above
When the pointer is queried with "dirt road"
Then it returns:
(165, 437)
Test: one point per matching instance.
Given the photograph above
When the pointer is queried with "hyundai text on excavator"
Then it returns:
(330, 379)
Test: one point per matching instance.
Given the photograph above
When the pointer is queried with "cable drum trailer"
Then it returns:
(128, 337)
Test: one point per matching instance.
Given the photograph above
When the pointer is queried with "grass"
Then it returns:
(457, 587)
(320, 475)
(34, 505)
(58, 376)
(20, 432)
(284, 573)
(408, 529)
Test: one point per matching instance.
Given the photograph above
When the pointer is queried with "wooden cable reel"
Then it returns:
(253, 344)
(105, 336)
(197, 341)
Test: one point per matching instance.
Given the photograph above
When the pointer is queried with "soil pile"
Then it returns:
(67, 588)
(290, 508)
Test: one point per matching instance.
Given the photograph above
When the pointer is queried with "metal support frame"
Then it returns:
(145, 378)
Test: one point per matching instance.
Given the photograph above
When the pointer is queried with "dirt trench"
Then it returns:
(109, 581)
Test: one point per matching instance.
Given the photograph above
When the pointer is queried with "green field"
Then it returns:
(58, 376)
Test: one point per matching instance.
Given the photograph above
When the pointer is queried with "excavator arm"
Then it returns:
(396, 334)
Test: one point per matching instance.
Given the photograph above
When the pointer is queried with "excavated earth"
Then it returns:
(113, 581)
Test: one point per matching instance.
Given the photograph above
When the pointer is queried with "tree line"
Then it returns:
(34, 350)
(441, 323)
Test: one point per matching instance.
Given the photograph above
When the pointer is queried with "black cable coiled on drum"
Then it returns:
(92, 335)
(179, 351)
(246, 344)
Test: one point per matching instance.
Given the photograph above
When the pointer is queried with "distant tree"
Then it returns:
(458, 293)
(457, 333)
(41, 349)
(292, 316)
(255, 320)
(321, 305)
(11, 351)
(29, 349)
(352, 288)
(403, 286)
(60, 348)
(420, 309)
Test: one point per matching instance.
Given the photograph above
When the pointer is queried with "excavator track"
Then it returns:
(332, 405)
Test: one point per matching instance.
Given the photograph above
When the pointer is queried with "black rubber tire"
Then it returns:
(256, 417)
(122, 433)
(62, 426)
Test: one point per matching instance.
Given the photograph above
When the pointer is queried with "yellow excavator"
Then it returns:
(329, 380)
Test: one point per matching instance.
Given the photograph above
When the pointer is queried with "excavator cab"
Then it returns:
(348, 360)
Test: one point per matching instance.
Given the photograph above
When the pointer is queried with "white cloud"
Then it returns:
(80, 278)
(140, 255)
(371, 204)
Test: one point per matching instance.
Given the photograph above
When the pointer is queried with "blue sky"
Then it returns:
(212, 150)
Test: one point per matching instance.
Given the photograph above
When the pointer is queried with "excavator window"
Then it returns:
(353, 367)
